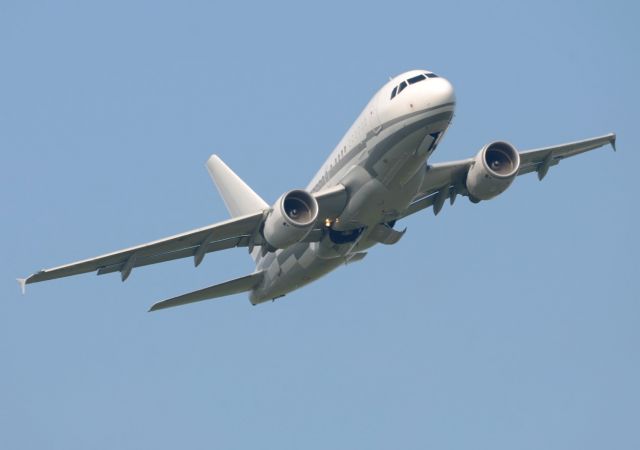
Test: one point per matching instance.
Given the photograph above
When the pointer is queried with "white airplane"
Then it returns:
(377, 174)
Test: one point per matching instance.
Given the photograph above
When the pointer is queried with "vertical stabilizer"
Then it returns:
(238, 197)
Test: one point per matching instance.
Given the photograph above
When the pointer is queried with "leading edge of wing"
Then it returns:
(540, 159)
(574, 147)
(236, 232)
(446, 180)
(173, 247)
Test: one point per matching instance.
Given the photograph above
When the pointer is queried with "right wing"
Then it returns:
(447, 180)
(539, 160)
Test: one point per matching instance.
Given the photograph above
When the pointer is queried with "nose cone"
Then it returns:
(440, 91)
(411, 92)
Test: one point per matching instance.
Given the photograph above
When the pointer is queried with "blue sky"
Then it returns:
(508, 324)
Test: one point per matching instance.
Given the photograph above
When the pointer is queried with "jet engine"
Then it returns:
(494, 169)
(291, 219)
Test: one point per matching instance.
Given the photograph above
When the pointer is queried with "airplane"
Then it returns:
(378, 174)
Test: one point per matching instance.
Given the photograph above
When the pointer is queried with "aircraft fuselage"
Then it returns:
(380, 161)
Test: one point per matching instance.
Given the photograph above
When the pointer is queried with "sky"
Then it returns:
(508, 324)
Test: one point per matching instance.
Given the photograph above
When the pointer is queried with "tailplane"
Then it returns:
(238, 197)
(243, 284)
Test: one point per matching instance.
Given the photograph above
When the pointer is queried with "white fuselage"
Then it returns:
(381, 162)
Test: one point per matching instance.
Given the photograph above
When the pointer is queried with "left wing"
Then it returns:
(447, 180)
(242, 231)
(230, 233)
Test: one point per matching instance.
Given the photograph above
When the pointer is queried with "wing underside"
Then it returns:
(242, 231)
(231, 233)
(447, 180)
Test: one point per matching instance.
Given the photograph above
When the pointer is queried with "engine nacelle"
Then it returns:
(291, 219)
(493, 170)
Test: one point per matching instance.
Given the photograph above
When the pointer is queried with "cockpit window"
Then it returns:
(416, 79)
(413, 80)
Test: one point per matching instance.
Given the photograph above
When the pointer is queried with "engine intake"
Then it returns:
(291, 219)
(494, 169)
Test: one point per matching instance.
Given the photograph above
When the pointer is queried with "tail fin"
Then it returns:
(238, 197)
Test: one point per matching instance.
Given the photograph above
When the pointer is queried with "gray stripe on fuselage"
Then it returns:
(413, 114)
(371, 134)
(380, 149)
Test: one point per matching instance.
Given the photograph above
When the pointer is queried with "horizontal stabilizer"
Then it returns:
(230, 287)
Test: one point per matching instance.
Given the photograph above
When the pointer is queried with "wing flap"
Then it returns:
(230, 287)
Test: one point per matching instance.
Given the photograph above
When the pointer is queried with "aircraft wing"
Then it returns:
(230, 233)
(447, 180)
(242, 231)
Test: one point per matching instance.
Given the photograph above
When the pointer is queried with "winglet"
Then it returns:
(613, 141)
(23, 285)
